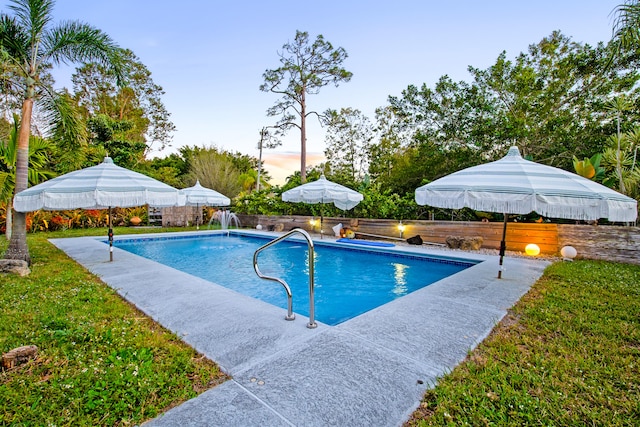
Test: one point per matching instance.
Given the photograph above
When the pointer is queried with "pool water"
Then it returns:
(348, 281)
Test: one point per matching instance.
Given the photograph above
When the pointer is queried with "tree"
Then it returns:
(96, 90)
(268, 139)
(305, 69)
(220, 170)
(38, 158)
(626, 27)
(349, 136)
(30, 43)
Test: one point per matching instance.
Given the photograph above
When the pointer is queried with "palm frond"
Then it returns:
(14, 42)
(75, 41)
(69, 129)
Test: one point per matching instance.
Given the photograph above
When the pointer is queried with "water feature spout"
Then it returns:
(225, 219)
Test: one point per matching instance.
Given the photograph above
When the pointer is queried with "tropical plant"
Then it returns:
(30, 43)
(308, 68)
(589, 167)
(626, 26)
(38, 158)
(620, 161)
(215, 169)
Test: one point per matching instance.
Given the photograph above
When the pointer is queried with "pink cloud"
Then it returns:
(281, 165)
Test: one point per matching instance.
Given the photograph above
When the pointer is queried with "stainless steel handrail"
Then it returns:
(290, 316)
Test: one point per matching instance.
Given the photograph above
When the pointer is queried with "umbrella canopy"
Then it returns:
(324, 191)
(202, 196)
(98, 187)
(517, 186)
(513, 185)
(199, 195)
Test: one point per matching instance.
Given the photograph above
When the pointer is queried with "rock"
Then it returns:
(464, 243)
(278, 227)
(15, 266)
(471, 243)
(415, 240)
(19, 355)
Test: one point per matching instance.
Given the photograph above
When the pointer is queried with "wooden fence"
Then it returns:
(613, 243)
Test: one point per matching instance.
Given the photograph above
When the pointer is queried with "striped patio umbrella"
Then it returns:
(513, 185)
(202, 196)
(323, 191)
(98, 187)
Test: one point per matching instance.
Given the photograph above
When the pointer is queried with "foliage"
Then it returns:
(76, 219)
(305, 69)
(566, 355)
(138, 104)
(625, 27)
(216, 169)
(100, 361)
(29, 45)
(39, 150)
(621, 163)
(589, 167)
(348, 138)
(549, 101)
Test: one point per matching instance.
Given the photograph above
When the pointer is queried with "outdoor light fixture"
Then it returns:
(312, 221)
(568, 253)
(401, 228)
(532, 249)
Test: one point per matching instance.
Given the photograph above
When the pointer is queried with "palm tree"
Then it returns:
(30, 43)
(38, 159)
(626, 26)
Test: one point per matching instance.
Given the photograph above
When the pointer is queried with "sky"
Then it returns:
(209, 56)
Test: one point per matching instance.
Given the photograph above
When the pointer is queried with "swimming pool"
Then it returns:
(348, 281)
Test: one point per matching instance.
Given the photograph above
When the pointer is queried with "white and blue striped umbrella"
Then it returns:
(98, 187)
(323, 191)
(202, 196)
(514, 185)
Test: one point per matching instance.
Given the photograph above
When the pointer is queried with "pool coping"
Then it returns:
(370, 370)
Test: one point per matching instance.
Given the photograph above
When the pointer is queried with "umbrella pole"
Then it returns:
(198, 212)
(503, 244)
(110, 235)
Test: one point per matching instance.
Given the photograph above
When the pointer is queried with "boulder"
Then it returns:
(415, 240)
(464, 243)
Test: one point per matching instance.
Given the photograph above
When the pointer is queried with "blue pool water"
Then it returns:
(348, 281)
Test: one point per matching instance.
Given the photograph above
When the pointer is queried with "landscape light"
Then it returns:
(532, 249)
(568, 253)
(401, 228)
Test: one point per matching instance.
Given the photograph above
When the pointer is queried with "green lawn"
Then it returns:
(100, 361)
(567, 354)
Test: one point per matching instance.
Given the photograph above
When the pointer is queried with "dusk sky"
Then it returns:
(209, 56)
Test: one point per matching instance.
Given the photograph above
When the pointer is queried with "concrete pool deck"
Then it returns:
(370, 370)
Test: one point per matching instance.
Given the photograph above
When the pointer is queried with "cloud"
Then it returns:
(283, 164)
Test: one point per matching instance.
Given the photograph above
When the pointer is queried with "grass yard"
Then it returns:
(100, 360)
(568, 354)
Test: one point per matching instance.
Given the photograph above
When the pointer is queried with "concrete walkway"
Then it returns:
(369, 371)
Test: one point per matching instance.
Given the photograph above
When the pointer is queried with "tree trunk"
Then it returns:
(303, 138)
(9, 220)
(18, 243)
